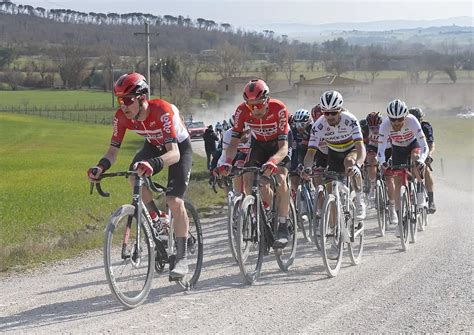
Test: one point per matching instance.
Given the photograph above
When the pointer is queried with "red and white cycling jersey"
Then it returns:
(163, 125)
(273, 125)
(410, 131)
(341, 137)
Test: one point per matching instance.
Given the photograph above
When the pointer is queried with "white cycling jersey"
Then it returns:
(341, 137)
(226, 138)
(410, 131)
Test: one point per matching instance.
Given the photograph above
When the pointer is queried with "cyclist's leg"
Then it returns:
(148, 151)
(349, 161)
(372, 168)
(178, 179)
(429, 184)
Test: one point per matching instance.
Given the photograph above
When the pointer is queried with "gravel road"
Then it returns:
(426, 289)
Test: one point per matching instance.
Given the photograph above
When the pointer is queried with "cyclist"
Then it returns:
(300, 129)
(370, 132)
(408, 142)
(268, 120)
(167, 144)
(242, 151)
(428, 131)
(346, 152)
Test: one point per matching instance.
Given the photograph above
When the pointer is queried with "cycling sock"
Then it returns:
(282, 219)
(430, 196)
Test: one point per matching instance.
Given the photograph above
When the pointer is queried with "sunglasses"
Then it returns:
(127, 101)
(400, 119)
(330, 113)
(258, 106)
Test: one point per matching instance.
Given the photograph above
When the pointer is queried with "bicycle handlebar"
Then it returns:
(155, 187)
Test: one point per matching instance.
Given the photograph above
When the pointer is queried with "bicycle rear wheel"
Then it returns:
(195, 248)
(129, 257)
(331, 239)
(317, 215)
(286, 256)
(356, 235)
(405, 217)
(380, 205)
(250, 240)
(232, 222)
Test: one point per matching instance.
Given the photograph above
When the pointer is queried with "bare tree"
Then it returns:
(72, 64)
(230, 60)
(268, 72)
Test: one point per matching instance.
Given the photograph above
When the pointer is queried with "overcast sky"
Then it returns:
(252, 12)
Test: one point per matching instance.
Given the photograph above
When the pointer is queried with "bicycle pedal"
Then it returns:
(174, 279)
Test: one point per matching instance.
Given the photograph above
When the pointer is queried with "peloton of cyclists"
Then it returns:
(408, 142)
(428, 131)
(267, 119)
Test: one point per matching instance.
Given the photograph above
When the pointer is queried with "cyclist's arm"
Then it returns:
(172, 154)
(281, 153)
(431, 147)
(111, 154)
(381, 148)
(361, 153)
(309, 157)
(231, 150)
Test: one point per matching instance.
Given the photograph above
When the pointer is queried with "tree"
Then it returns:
(7, 56)
(230, 60)
(72, 64)
(268, 72)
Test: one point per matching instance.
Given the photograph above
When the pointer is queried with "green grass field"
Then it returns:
(46, 211)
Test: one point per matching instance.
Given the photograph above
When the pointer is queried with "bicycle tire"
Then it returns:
(194, 256)
(380, 206)
(250, 232)
(415, 211)
(404, 219)
(356, 246)
(232, 222)
(331, 209)
(299, 203)
(128, 295)
(284, 258)
(320, 195)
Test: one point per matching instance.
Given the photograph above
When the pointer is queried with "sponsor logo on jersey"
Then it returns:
(166, 120)
(115, 123)
(346, 122)
(152, 123)
(320, 126)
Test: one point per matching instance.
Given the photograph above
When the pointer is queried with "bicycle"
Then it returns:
(381, 202)
(339, 224)
(257, 228)
(304, 208)
(133, 248)
(408, 218)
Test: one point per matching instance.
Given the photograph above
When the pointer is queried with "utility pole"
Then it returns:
(147, 55)
(161, 74)
(112, 82)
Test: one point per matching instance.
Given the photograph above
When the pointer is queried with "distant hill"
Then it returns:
(297, 29)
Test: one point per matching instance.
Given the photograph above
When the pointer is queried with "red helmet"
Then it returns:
(374, 119)
(316, 112)
(256, 89)
(131, 84)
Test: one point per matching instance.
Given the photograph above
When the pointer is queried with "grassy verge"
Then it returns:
(46, 211)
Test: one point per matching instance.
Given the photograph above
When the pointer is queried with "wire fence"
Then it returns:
(90, 114)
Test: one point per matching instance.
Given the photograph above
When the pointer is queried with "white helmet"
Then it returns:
(301, 115)
(331, 100)
(397, 109)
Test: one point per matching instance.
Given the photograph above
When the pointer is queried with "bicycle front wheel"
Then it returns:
(331, 239)
(356, 235)
(317, 215)
(195, 248)
(286, 256)
(232, 222)
(250, 240)
(129, 257)
(405, 217)
(380, 205)
(302, 210)
(416, 212)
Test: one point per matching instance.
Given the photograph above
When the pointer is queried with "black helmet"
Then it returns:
(417, 112)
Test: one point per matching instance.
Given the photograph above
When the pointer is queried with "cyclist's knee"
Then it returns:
(349, 161)
(174, 203)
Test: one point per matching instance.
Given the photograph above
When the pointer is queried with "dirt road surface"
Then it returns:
(426, 289)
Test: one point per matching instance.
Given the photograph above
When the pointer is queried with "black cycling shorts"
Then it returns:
(321, 159)
(260, 152)
(373, 148)
(401, 155)
(178, 173)
(336, 159)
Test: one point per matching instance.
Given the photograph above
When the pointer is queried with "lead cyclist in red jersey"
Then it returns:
(268, 121)
(166, 144)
